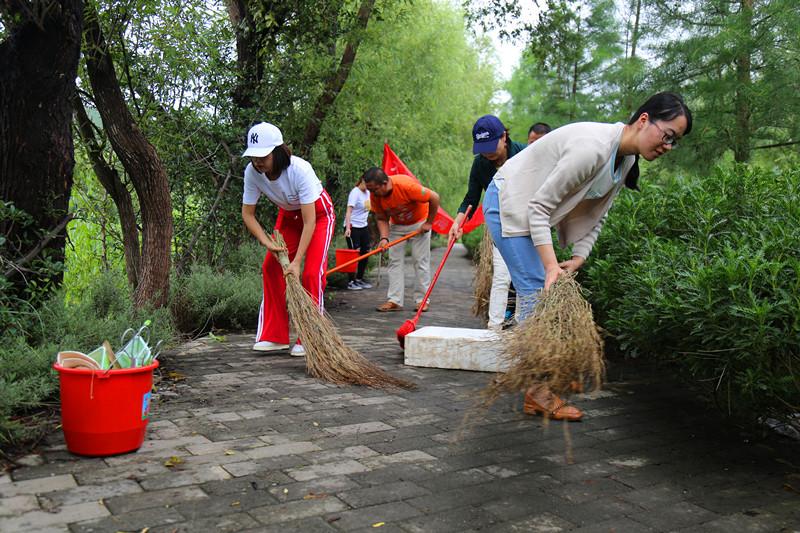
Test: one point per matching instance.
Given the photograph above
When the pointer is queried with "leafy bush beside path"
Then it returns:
(705, 272)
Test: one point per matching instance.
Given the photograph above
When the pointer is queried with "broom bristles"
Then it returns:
(327, 356)
(558, 346)
(482, 281)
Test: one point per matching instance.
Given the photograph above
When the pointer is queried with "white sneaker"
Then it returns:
(354, 286)
(364, 284)
(298, 351)
(267, 346)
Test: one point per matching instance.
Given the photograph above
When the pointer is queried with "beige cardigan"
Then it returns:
(545, 185)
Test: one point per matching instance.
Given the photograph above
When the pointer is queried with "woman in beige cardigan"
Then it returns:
(568, 180)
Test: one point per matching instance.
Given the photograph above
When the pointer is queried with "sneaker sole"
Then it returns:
(272, 348)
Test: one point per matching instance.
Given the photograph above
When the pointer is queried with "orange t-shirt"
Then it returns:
(406, 204)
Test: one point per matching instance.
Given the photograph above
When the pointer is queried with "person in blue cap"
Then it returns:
(492, 147)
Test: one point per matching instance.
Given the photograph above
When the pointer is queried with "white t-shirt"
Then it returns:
(296, 185)
(359, 201)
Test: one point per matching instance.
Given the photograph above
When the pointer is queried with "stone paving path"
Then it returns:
(240, 441)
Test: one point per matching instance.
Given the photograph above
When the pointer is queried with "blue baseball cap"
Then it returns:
(485, 133)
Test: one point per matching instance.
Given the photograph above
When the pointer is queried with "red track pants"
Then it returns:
(273, 319)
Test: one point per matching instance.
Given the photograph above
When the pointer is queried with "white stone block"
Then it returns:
(457, 348)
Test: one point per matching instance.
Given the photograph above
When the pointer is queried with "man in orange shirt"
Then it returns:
(401, 205)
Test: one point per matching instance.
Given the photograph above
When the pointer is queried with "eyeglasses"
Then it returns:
(667, 138)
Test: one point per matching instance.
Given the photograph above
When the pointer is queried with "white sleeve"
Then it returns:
(251, 192)
(306, 181)
(352, 198)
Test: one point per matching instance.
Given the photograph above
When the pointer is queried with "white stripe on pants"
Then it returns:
(498, 297)
(420, 252)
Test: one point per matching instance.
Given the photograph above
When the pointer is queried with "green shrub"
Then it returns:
(208, 299)
(706, 273)
(472, 241)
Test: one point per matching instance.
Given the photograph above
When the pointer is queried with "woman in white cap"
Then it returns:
(305, 220)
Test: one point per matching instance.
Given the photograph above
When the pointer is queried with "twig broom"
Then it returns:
(482, 281)
(558, 346)
(327, 356)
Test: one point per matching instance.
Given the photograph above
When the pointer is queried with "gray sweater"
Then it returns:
(545, 185)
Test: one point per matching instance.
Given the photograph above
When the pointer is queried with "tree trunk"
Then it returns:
(247, 45)
(335, 82)
(141, 162)
(635, 35)
(741, 141)
(629, 103)
(38, 66)
(111, 182)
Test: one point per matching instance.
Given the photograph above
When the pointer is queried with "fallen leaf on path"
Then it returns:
(173, 461)
(175, 376)
(230, 452)
(312, 496)
(379, 524)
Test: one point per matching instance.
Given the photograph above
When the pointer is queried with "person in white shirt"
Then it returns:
(306, 221)
(356, 231)
(568, 179)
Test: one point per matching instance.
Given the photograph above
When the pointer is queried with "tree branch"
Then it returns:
(335, 82)
(52, 234)
(181, 263)
(776, 145)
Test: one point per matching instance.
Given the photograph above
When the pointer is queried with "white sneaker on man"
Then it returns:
(364, 284)
(267, 346)
(354, 286)
(298, 350)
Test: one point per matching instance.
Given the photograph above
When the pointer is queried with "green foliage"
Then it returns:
(705, 272)
(737, 64)
(224, 298)
(419, 90)
(472, 241)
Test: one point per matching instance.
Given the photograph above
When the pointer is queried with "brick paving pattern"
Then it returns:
(242, 441)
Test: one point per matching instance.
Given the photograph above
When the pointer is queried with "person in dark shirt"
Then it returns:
(492, 147)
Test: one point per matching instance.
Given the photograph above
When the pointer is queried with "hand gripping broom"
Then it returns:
(327, 356)
(410, 325)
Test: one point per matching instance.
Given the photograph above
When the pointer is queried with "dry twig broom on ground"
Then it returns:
(327, 356)
(482, 281)
(559, 346)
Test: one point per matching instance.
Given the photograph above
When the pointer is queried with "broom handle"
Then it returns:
(439, 270)
(373, 252)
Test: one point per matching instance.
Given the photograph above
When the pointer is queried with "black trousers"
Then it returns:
(359, 240)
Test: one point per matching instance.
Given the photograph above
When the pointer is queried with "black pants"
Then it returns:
(359, 240)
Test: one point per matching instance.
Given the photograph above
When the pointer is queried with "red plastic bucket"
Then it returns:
(343, 255)
(105, 413)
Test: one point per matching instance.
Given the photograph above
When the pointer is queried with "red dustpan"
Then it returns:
(410, 325)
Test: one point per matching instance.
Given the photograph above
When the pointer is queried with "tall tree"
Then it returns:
(38, 66)
(738, 61)
(571, 67)
(142, 164)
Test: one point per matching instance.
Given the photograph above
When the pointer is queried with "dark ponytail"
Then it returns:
(660, 106)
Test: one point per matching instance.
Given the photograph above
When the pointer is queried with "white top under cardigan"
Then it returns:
(566, 180)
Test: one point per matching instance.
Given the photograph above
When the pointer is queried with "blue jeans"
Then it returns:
(520, 255)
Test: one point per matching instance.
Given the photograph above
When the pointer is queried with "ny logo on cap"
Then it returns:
(254, 138)
(482, 135)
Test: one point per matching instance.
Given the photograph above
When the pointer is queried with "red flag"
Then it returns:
(441, 224)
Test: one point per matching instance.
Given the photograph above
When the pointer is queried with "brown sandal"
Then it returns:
(559, 411)
(389, 306)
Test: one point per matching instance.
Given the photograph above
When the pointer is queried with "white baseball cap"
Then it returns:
(262, 140)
